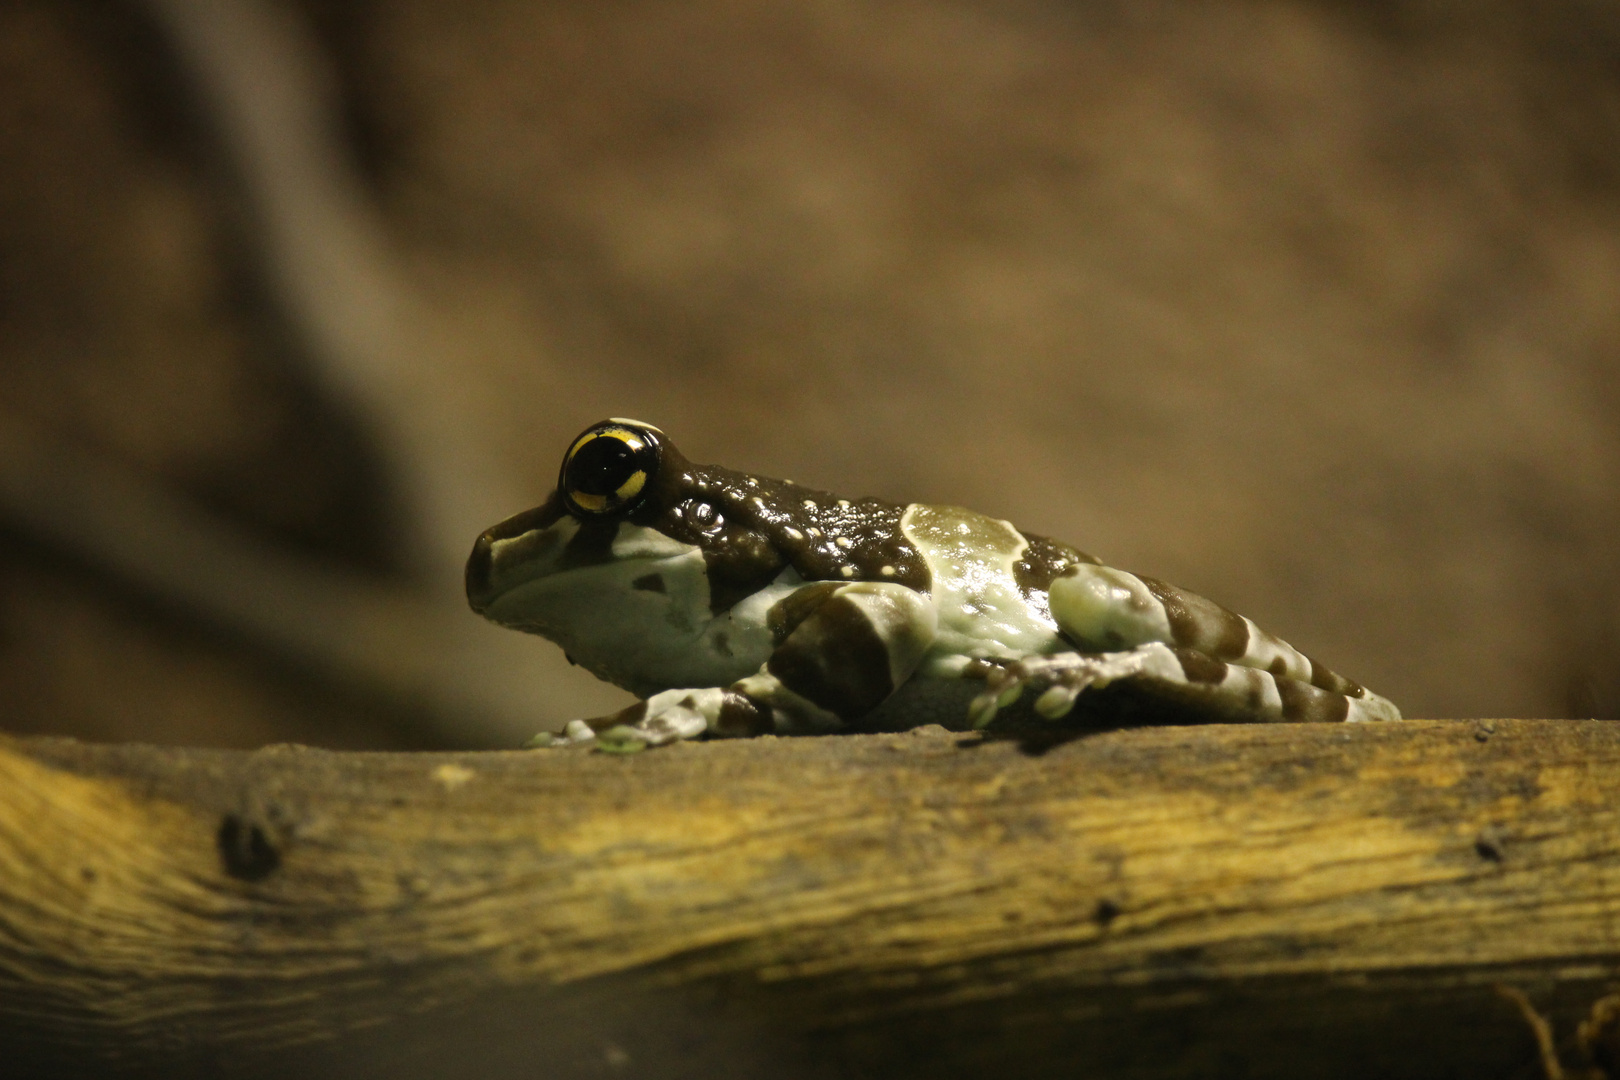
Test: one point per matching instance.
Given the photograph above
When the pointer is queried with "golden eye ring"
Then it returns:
(607, 469)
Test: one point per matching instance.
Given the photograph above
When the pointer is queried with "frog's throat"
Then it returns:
(639, 616)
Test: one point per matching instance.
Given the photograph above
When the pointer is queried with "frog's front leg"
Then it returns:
(1209, 661)
(841, 650)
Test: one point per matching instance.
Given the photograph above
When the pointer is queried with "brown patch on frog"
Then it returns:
(1197, 623)
(743, 564)
(1333, 683)
(1200, 668)
(862, 534)
(835, 659)
(787, 613)
(479, 573)
(738, 558)
(752, 527)
(650, 583)
(1044, 561)
(592, 545)
(630, 716)
(821, 535)
(1303, 703)
(741, 717)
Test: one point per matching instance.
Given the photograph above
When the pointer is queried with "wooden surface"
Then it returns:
(1317, 900)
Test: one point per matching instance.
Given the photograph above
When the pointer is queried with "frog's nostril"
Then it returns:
(478, 573)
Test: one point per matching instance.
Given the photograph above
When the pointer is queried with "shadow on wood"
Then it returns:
(1330, 900)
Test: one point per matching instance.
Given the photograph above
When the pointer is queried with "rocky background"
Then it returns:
(1308, 306)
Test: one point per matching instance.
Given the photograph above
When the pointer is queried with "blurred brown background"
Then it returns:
(1308, 306)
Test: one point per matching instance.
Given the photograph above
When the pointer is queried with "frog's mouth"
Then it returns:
(520, 569)
(631, 606)
(523, 547)
(626, 602)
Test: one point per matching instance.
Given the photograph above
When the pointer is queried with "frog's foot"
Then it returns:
(663, 718)
(574, 733)
(1066, 676)
(1196, 686)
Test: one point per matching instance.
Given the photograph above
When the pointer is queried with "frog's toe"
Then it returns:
(1002, 687)
(573, 733)
(983, 709)
(1056, 701)
(1002, 690)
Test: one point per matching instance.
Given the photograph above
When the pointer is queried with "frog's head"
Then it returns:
(645, 568)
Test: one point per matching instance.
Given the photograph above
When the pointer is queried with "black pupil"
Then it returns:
(601, 466)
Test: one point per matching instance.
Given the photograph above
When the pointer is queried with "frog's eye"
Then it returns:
(608, 468)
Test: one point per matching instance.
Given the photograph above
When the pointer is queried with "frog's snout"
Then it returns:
(497, 563)
(479, 569)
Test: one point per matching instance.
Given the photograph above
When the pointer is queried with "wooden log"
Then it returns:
(1324, 900)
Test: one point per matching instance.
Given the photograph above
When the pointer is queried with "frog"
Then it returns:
(738, 605)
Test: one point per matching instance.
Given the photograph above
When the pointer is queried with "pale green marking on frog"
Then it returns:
(982, 612)
(740, 605)
(1107, 609)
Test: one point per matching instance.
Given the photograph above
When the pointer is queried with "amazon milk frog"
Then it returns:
(740, 605)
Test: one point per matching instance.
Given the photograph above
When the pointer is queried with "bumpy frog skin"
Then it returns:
(741, 605)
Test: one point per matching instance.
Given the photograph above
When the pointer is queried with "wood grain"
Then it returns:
(1264, 900)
